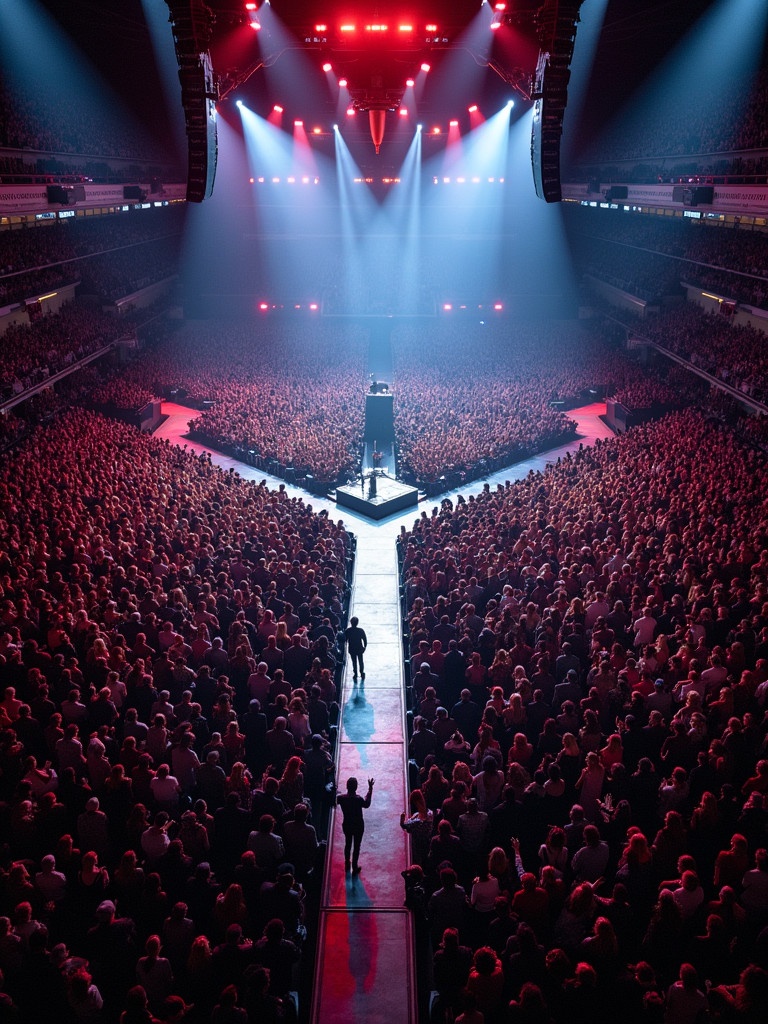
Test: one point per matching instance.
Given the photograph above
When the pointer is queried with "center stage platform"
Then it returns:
(390, 496)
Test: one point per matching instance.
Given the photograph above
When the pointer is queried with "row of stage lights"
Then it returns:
(402, 112)
(306, 179)
(379, 29)
(314, 307)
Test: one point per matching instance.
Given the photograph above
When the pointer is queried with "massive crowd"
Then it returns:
(732, 352)
(471, 397)
(53, 120)
(168, 658)
(291, 391)
(729, 261)
(102, 251)
(690, 121)
(33, 352)
(588, 680)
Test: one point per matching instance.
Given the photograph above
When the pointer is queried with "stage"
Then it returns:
(388, 496)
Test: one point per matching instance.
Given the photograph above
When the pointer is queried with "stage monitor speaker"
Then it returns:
(134, 192)
(616, 192)
(57, 194)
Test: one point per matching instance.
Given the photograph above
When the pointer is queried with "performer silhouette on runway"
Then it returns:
(357, 642)
(353, 825)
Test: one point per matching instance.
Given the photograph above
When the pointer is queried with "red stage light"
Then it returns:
(435, 130)
(425, 67)
(447, 306)
(321, 28)
(409, 83)
(498, 305)
(495, 24)
(256, 26)
(350, 111)
(376, 28)
(327, 66)
(313, 306)
(277, 108)
(342, 83)
(250, 6)
(473, 108)
(403, 111)
(453, 124)
(346, 28)
(501, 7)
(405, 28)
(298, 124)
(263, 305)
(431, 28)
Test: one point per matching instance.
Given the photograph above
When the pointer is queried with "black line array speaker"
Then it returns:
(556, 28)
(192, 22)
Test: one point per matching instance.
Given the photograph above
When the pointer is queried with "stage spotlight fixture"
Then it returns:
(277, 108)
(405, 28)
(263, 306)
(342, 83)
(447, 306)
(403, 111)
(335, 127)
(436, 130)
(419, 127)
(501, 7)
(453, 124)
(238, 103)
(313, 306)
(327, 66)
(250, 6)
(430, 28)
(346, 28)
(425, 67)
(316, 131)
(321, 28)
(510, 104)
(497, 306)
(256, 26)
(495, 24)
(298, 124)
(472, 109)
(350, 111)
